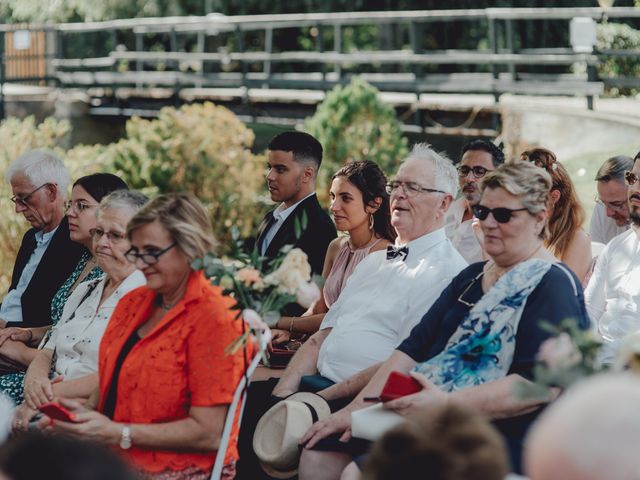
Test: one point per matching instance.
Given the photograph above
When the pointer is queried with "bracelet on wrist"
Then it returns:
(291, 325)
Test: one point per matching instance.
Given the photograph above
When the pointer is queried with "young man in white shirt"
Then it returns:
(610, 215)
(478, 158)
(612, 297)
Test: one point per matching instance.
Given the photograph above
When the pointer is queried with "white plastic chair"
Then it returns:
(239, 399)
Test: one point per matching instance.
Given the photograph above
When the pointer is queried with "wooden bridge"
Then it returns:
(135, 66)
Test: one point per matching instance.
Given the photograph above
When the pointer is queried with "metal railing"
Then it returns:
(228, 52)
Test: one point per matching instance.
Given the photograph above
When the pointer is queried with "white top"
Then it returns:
(280, 214)
(11, 308)
(461, 233)
(76, 337)
(603, 228)
(612, 296)
(382, 301)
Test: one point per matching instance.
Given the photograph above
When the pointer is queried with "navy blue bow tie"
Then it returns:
(393, 252)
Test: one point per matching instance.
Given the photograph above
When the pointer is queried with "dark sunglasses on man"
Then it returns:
(630, 178)
(501, 214)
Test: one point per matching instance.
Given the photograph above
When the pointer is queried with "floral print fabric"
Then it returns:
(481, 349)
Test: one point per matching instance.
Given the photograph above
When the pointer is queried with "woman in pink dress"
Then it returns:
(360, 207)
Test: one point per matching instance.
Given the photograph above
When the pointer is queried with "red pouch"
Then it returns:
(398, 385)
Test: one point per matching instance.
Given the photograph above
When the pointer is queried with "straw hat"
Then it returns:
(280, 430)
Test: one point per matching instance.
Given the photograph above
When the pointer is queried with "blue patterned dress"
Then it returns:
(13, 383)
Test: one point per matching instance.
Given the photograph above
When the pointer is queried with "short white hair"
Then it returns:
(445, 176)
(40, 167)
(132, 200)
(592, 431)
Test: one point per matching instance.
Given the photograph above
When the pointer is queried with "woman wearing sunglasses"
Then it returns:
(482, 335)
(166, 380)
(564, 237)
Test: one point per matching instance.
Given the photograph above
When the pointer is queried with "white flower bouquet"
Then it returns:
(261, 287)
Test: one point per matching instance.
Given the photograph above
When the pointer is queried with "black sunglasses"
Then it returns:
(501, 214)
(630, 178)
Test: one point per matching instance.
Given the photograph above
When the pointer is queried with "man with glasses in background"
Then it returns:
(610, 215)
(47, 256)
(478, 158)
(612, 296)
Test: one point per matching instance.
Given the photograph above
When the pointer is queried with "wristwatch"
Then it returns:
(125, 438)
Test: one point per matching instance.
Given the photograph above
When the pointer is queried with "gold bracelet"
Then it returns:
(291, 325)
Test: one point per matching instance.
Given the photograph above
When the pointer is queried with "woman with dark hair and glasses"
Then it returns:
(482, 335)
(166, 379)
(564, 236)
(67, 364)
(20, 344)
(360, 207)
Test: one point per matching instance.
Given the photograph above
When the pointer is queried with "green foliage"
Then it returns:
(352, 123)
(617, 36)
(203, 149)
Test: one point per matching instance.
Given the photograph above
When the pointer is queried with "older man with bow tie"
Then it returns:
(385, 297)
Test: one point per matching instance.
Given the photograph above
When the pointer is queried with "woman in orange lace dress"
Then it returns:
(165, 379)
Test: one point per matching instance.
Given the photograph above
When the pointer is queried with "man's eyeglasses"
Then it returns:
(615, 206)
(113, 237)
(78, 206)
(478, 171)
(24, 199)
(150, 258)
(501, 214)
(630, 178)
(409, 188)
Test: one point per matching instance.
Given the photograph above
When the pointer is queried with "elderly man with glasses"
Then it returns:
(478, 158)
(610, 215)
(387, 293)
(47, 256)
(612, 296)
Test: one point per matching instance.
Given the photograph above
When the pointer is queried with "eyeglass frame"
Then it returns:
(472, 170)
(409, 188)
(110, 235)
(629, 174)
(25, 198)
(71, 205)
(492, 211)
(140, 256)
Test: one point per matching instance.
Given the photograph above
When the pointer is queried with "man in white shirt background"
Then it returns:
(478, 158)
(610, 214)
(612, 296)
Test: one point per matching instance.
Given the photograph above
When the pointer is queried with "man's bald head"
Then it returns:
(590, 433)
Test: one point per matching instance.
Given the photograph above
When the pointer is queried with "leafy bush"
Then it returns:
(203, 149)
(618, 36)
(352, 123)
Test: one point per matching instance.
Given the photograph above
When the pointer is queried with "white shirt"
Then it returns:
(461, 233)
(11, 309)
(382, 301)
(612, 297)
(603, 228)
(76, 337)
(280, 214)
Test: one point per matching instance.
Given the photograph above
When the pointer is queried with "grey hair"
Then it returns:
(445, 176)
(40, 167)
(132, 200)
